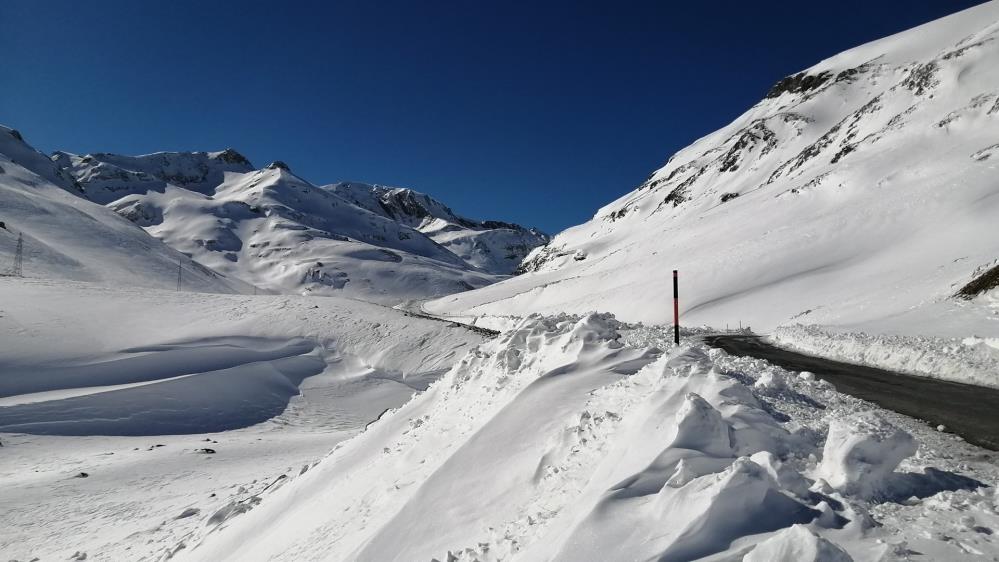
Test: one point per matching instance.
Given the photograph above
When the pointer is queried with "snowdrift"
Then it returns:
(856, 190)
(971, 360)
(557, 441)
(168, 363)
(177, 406)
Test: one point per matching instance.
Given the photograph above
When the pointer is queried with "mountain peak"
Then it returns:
(230, 156)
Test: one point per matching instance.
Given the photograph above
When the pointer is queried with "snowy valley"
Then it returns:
(206, 361)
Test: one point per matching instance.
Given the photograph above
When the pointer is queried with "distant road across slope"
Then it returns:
(967, 410)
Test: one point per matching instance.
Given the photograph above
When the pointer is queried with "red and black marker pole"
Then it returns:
(676, 309)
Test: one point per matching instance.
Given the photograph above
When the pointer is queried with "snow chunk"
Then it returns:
(797, 544)
(700, 427)
(861, 452)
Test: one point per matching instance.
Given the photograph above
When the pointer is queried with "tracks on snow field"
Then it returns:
(967, 410)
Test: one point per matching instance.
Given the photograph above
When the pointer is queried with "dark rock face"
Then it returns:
(922, 78)
(798, 83)
(278, 165)
(984, 282)
(757, 133)
(547, 254)
(230, 156)
(726, 197)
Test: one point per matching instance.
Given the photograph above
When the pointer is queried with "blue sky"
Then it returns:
(533, 112)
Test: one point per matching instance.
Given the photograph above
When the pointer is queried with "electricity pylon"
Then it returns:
(18, 269)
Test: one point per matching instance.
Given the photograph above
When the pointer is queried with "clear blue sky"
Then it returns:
(533, 112)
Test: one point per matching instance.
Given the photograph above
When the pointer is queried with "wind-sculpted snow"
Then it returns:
(856, 190)
(193, 387)
(558, 441)
(133, 418)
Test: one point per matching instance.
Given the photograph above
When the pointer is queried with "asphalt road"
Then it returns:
(967, 410)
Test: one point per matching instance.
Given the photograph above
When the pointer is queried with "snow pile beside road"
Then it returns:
(862, 452)
(971, 360)
(558, 441)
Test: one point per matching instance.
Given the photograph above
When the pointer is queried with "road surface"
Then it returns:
(967, 410)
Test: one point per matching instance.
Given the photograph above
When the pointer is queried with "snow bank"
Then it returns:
(797, 544)
(970, 360)
(560, 439)
(556, 441)
(861, 452)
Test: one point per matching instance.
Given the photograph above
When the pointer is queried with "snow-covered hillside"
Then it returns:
(494, 246)
(283, 234)
(67, 237)
(860, 192)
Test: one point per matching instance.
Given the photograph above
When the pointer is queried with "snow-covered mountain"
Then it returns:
(861, 190)
(494, 246)
(109, 177)
(66, 236)
(279, 232)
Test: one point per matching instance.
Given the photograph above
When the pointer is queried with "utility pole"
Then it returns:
(180, 271)
(676, 308)
(18, 269)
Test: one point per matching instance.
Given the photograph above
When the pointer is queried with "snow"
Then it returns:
(566, 439)
(867, 200)
(799, 544)
(862, 452)
(138, 422)
(282, 234)
(970, 360)
(492, 246)
(68, 237)
(109, 177)
(130, 385)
